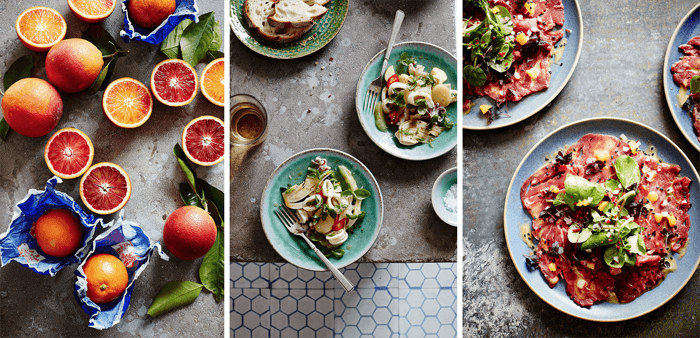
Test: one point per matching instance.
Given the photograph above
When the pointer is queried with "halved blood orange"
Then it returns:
(203, 140)
(105, 188)
(92, 11)
(213, 82)
(174, 82)
(39, 28)
(127, 103)
(69, 153)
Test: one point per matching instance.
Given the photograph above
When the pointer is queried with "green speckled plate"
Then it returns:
(429, 56)
(294, 249)
(320, 35)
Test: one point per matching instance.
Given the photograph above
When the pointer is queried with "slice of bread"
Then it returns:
(295, 14)
(316, 2)
(256, 13)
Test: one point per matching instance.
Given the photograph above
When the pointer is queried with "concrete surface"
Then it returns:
(311, 102)
(41, 306)
(619, 74)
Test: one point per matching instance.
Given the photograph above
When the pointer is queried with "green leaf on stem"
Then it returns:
(20, 69)
(171, 45)
(4, 129)
(103, 78)
(185, 165)
(211, 272)
(213, 55)
(173, 295)
(188, 196)
(197, 38)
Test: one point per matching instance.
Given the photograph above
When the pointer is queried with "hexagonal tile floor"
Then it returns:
(389, 300)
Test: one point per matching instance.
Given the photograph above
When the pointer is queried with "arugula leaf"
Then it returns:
(627, 171)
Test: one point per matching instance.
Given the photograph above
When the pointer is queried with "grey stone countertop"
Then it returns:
(619, 74)
(311, 104)
(32, 305)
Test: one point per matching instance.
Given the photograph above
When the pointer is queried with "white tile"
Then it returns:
(288, 276)
(302, 313)
(427, 312)
(367, 312)
(250, 275)
(372, 275)
(250, 313)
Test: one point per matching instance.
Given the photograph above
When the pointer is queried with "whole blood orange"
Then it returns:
(174, 82)
(189, 232)
(59, 233)
(213, 82)
(203, 140)
(150, 13)
(69, 153)
(127, 103)
(72, 65)
(92, 11)
(39, 28)
(105, 188)
(32, 107)
(107, 278)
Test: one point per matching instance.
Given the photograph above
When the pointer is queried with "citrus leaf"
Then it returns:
(218, 39)
(171, 45)
(173, 295)
(4, 129)
(20, 69)
(214, 195)
(185, 165)
(213, 55)
(197, 38)
(188, 196)
(99, 37)
(211, 272)
(103, 79)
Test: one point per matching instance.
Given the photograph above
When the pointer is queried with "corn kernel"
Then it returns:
(602, 205)
(653, 196)
(521, 38)
(671, 220)
(485, 108)
(554, 189)
(552, 267)
(658, 217)
(534, 72)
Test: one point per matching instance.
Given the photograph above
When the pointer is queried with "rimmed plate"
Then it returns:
(429, 56)
(321, 34)
(535, 102)
(440, 188)
(294, 249)
(687, 28)
(515, 216)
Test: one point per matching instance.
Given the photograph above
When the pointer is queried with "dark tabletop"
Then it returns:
(311, 104)
(619, 74)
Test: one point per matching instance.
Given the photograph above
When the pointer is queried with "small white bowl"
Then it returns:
(440, 188)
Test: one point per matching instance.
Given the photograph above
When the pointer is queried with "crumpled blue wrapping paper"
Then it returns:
(186, 9)
(126, 240)
(17, 243)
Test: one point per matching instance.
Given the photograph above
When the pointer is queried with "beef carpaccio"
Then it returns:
(529, 71)
(658, 202)
(683, 71)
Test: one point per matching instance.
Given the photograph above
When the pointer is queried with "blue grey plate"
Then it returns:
(535, 102)
(443, 183)
(687, 28)
(515, 216)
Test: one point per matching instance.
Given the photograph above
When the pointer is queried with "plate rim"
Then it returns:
(282, 57)
(667, 81)
(556, 92)
(373, 180)
(433, 193)
(505, 215)
(359, 91)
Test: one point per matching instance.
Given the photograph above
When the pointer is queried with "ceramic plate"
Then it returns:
(535, 102)
(294, 249)
(320, 35)
(515, 216)
(687, 28)
(429, 56)
(443, 183)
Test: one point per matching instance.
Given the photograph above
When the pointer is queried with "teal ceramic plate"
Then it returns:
(687, 28)
(320, 35)
(443, 183)
(515, 216)
(535, 102)
(429, 56)
(294, 249)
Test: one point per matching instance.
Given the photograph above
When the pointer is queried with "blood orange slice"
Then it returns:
(213, 82)
(203, 140)
(127, 103)
(92, 11)
(174, 82)
(105, 188)
(69, 153)
(39, 28)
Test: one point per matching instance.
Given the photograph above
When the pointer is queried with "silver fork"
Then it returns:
(290, 220)
(375, 88)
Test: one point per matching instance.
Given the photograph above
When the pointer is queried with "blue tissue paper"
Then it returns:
(186, 9)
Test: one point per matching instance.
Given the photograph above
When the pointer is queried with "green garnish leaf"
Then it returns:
(627, 171)
(474, 75)
(578, 237)
(338, 253)
(695, 84)
(173, 295)
(403, 62)
(583, 191)
(359, 216)
(362, 194)
(615, 257)
(612, 184)
(597, 239)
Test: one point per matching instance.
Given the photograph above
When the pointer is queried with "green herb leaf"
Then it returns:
(612, 184)
(173, 295)
(211, 272)
(20, 69)
(197, 38)
(695, 84)
(580, 236)
(171, 45)
(611, 254)
(358, 216)
(474, 75)
(403, 62)
(627, 171)
(581, 189)
(597, 239)
(562, 198)
(338, 253)
(362, 194)
(4, 129)
(346, 193)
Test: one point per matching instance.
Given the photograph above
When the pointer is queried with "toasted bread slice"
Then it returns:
(256, 13)
(295, 14)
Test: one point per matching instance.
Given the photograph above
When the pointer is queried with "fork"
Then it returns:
(290, 220)
(375, 88)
